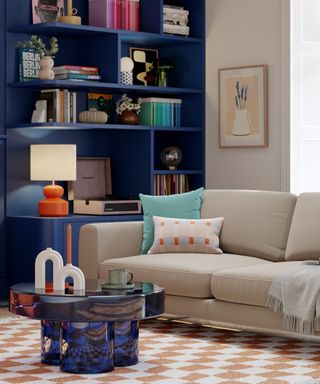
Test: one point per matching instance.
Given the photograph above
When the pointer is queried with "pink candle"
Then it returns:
(69, 246)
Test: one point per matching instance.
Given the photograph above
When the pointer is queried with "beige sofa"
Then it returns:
(263, 233)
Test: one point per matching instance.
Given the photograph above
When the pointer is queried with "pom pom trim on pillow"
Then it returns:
(186, 235)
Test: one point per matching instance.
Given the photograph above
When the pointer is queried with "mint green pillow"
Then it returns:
(181, 206)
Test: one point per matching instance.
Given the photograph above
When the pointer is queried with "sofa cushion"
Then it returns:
(186, 235)
(247, 285)
(183, 274)
(256, 222)
(304, 238)
(183, 205)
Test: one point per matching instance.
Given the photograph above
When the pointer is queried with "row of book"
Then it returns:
(115, 14)
(170, 184)
(76, 72)
(158, 111)
(61, 105)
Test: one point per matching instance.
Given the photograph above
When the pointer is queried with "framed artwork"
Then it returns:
(143, 73)
(243, 106)
(47, 11)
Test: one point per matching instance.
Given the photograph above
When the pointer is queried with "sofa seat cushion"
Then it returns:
(182, 274)
(247, 285)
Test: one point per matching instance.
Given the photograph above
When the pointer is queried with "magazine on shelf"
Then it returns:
(101, 102)
(29, 64)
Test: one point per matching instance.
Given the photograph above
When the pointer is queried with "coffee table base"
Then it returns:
(50, 342)
(89, 347)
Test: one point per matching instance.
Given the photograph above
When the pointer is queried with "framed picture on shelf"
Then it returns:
(243, 106)
(143, 71)
(47, 11)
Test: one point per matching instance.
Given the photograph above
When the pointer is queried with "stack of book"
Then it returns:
(170, 184)
(115, 14)
(76, 72)
(61, 105)
(175, 20)
(159, 111)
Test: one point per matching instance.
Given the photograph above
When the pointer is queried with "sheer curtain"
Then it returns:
(305, 96)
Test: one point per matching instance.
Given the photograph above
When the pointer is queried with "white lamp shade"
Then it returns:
(53, 162)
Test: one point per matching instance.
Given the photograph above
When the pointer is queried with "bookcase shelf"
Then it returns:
(92, 85)
(82, 126)
(134, 150)
(68, 30)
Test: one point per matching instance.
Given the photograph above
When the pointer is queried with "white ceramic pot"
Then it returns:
(241, 125)
(93, 116)
(46, 71)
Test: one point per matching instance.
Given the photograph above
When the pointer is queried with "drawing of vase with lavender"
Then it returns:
(242, 120)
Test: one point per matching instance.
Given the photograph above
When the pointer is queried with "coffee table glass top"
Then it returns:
(145, 300)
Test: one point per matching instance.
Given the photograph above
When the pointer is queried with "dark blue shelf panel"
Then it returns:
(80, 126)
(91, 85)
(68, 30)
(177, 172)
(81, 218)
(3, 137)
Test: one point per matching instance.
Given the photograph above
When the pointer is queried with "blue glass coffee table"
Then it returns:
(91, 331)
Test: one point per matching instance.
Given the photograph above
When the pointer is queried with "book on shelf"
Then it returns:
(74, 71)
(76, 68)
(101, 102)
(115, 14)
(159, 111)
(29, 64)
(169, 184)
(76, 76)
(61, 105)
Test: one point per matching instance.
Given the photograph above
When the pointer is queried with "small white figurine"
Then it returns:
(39, 115)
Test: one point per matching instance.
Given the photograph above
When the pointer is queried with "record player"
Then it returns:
(92, 191)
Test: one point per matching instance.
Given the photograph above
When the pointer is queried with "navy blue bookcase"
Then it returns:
(134, 150)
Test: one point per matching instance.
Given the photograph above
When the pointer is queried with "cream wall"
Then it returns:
(240, 33)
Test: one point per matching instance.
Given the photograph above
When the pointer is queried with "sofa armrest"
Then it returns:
(102, 241)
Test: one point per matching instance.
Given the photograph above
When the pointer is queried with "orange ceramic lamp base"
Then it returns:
(53, 205)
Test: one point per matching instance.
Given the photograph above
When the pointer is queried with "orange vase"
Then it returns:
(128, 117)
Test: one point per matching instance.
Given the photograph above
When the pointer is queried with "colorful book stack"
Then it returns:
(76, 72)
(170, 184)
(61, 105)
(159, 111)
(115, 14)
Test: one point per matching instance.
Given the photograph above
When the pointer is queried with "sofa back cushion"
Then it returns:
(304, 236)
(256, 222)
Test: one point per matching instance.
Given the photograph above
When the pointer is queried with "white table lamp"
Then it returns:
(53, 162)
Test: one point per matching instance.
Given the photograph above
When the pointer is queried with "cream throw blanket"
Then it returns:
(296, 294)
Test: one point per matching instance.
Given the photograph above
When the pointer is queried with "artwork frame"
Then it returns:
(47, 11)
(142, 73)
(243, 106)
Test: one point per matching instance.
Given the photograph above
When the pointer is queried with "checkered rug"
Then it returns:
(170, 353)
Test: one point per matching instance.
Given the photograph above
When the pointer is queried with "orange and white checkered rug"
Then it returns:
(170, 353)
